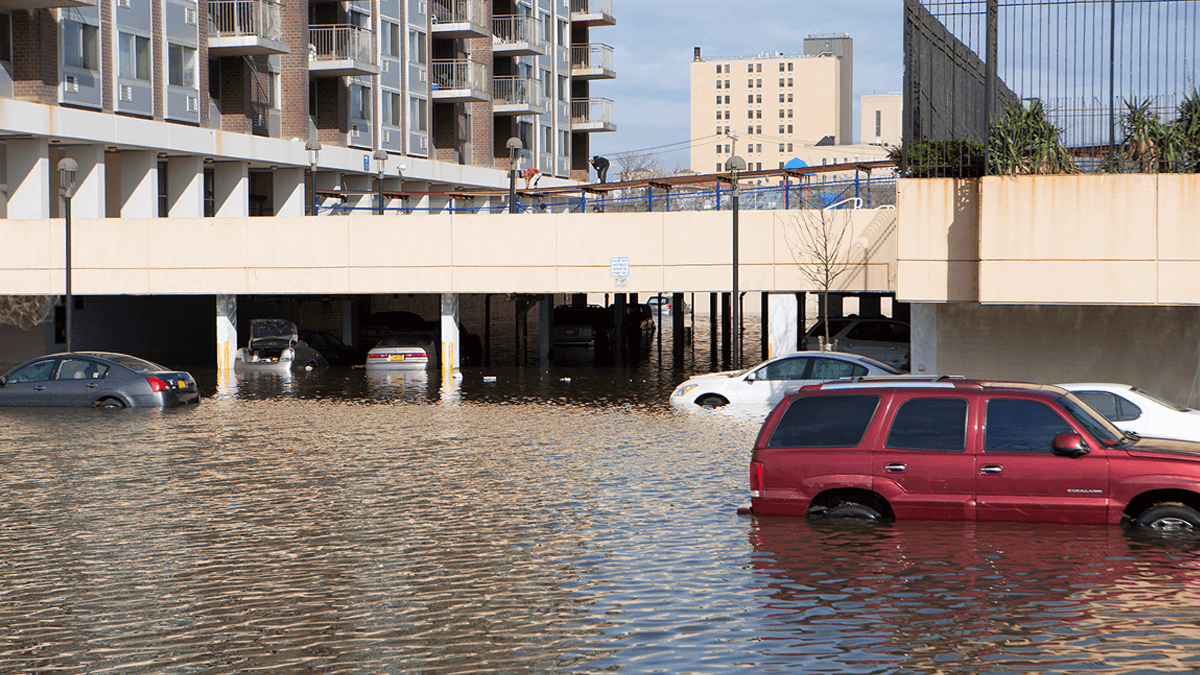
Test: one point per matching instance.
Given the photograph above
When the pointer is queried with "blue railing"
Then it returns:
(864, 192)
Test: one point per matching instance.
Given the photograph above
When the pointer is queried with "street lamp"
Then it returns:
(380, 158)
(67, 168)
(313, 147)
(400, 184)
(733, 166)
(514, 146)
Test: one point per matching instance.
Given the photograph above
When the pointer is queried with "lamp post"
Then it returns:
(67, 168)
(380, 158)
(313, 147)
(400, 184)
(514, 146)
(733, 166)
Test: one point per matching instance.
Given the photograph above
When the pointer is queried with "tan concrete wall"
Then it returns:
(1084, 239)
(528, 253)
(1150, 347)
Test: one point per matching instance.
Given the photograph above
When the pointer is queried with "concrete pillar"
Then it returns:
(545, 328)
(924, 328)
(350, 323)
(139, 184)
(231, 189)
(677, 337)
(226, 341)
(782, 331)
(870, 304)
(185, 187)
(89, 199)
(450, 339)
(29, 190)
(289, 192)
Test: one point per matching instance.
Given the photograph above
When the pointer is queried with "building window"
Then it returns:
(750, 98)
(781, 66)
(750, 129)
(718, 69)
(781, 150)
(781, 98)
(749, 67)
(564, 143)
(781, 113)
(757, 129)
(750, 114)
(182, 66)
(547, 85)
(718, 100)
(781, 81)
(878, 122)
(789, 129)
(789, 113)
(718, 84)
(134, 56)
(5, 37)
(759, 149)
(789, 67)
(727, 82)
(758, 166)
(789, 81)
(391, 108)
(758, 114)
(750, 83)
(758, 67)
(718, 167)
(391, 39)
(789, 147)
(781, 128)
(163, 198)
(564, 34)
(718, 114)
(789, 98)
(417, 119)
(726, 131)
(416, 48)
(758, 98)
(758, 84)
(360, 102)
(80, 46)
(750, 148)
(564, 89)
(726, 114)
(718, 131)
(727, 99)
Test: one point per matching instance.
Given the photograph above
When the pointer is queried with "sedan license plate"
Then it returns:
(396, 357)
(181, 384)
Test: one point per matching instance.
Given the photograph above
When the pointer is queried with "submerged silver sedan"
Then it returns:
(96, 380)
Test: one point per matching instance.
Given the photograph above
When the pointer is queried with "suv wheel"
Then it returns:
(1170, 518)
(854, 511)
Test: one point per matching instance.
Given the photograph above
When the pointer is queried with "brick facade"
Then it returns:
(35, 56)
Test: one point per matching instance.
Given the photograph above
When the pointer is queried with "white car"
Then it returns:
(400, 351)
(880, 338)
(767, 383)
(1139, 411)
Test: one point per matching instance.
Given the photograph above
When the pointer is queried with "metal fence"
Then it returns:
(1049, 86)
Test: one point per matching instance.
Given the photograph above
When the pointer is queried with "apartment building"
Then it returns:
(881, 116)
(187, 108)
(770, 108)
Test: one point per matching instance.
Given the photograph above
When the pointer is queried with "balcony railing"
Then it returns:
(518, 35)
(237, 18)
(517, 95)
(340, 42)
(592, 114)
(592, 61)
(592, 12)
(459, 80)
(458, 18)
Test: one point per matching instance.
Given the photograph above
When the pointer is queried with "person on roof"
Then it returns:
(601, 166)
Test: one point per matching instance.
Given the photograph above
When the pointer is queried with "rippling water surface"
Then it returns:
(561, 522)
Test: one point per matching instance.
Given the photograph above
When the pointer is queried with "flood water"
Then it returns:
(567, 521)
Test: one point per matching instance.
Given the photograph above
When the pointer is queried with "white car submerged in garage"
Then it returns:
(275, 347)
(765, 384)
(1139, 411)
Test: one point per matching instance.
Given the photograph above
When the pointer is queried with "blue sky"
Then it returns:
(653, 42)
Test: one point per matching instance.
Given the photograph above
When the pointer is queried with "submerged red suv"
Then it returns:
(956, 449)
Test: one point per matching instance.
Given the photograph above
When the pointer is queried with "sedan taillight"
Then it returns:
(756, 478)
(157, 384)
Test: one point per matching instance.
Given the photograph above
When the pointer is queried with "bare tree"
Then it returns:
(638, 165)
(820, 244)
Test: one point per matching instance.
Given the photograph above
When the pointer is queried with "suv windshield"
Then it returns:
(1095, 423)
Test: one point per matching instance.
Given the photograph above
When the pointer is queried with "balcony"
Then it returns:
(459, 19)
(245, 27)
(459, 81)
(45, 4)
(592, 13)
(518, 96)
(591, 115)
(518, 36)
(340, 50)
(592, 62)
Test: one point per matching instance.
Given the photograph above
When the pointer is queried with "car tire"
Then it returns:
(110, 404)
(712, 401)
(1169, 518)
(854, 511)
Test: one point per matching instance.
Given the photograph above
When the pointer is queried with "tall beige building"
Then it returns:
(881, 115)
(771, 108)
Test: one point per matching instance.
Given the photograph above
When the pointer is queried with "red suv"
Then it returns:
(955, 449)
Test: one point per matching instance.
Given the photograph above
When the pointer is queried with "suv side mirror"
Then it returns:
(1069, 445)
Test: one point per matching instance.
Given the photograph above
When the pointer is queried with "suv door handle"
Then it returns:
(991, 469)
(895, 467)
(92, 385)
(40, 388)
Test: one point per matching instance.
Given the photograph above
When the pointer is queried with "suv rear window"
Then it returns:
(824, 422)
(930, 424)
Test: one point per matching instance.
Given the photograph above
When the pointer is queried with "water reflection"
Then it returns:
(556, 521)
